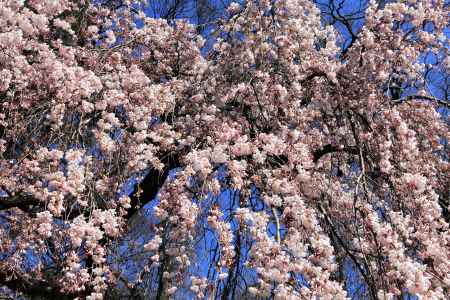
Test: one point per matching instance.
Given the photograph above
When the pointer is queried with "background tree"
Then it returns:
(282, 159)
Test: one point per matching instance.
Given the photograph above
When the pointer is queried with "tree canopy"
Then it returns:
(288, 149)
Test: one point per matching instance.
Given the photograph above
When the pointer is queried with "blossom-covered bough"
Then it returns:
(337, 161)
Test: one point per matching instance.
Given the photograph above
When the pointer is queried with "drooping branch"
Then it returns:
(334, 232)
(143, 192)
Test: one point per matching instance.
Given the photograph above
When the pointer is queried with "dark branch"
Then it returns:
(35, 288)
(331, 149)
(146, 190)
(19, 200)
(418, 97)
(315, 74)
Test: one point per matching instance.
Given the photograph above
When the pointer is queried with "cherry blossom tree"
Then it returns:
(286, 160)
